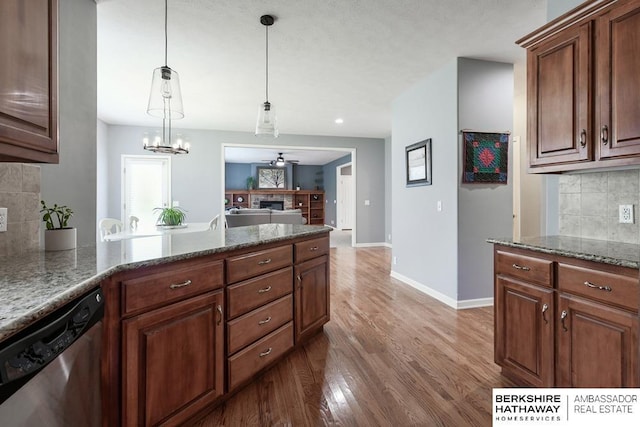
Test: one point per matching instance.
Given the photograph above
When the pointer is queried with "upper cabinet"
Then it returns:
(29, 81)
(582, 88)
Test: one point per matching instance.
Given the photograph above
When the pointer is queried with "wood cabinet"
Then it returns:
(29, 81)
(173, 361)
(582, 88)
(573, 323)
(524, 318)
(236, 198)
(311, 203)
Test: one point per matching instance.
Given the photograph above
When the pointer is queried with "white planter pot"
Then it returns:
(60, 239)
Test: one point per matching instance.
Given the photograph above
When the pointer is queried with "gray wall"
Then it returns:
(102, 173)
(197, 177)
(485, 102)
(556, 8)
(309, 176)
(330, 189)
(387, 190)
(235, 175)
(425, 240)
(72, 182)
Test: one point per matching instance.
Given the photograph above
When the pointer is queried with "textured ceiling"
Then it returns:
(328, 59)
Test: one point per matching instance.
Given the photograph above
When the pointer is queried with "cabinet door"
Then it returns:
(311, 296)
(618, 85)
(597, 345)
(559, 91)
(524, 331)
(173, 361)
(28, 80)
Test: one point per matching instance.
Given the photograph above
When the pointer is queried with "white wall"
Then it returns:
(197, 176)
(424, 240)
(72, 182)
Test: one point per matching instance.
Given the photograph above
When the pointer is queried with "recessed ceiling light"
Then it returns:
(339, 121)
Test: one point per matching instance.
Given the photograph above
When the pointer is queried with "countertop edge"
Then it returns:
(567, 253)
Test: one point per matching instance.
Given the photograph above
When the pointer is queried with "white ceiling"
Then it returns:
(328, 58)
(264, 155)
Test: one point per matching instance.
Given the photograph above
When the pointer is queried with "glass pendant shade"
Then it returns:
(165, 100)
(267, 124)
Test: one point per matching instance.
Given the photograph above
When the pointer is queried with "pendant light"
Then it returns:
(267, 124)
(165, 102)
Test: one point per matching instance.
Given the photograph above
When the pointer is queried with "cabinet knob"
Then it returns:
(583, 138)
(604, 135)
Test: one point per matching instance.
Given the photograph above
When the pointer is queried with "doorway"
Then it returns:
(344, 197)
(146, 185)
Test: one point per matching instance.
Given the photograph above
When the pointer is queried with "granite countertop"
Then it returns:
(604, 251)
(35, 284)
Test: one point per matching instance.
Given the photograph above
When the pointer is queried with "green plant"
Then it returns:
(170, 216)
(251, 182)
(61, 213)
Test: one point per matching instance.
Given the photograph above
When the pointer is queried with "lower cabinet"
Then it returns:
(172, 361)
(576, 328)
(597, 345)
(524, 331)
(311, 292)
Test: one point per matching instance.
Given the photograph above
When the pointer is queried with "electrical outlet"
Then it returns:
(3, 219)
(625, 214)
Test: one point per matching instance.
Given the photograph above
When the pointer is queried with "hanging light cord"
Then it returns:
(267, 65)
(165, 32)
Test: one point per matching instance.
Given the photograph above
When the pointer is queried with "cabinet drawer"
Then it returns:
(311, 248)
(245, 296)
(258, 323)
(530, 269)
(254, 358)
(168, 284)
(603, 286)
(255, 263)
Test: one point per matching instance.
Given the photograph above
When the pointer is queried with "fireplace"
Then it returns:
(273, 204)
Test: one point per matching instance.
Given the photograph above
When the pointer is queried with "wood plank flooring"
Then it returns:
(390, 356)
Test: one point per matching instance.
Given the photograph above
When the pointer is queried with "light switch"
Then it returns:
(367, 202)
(439, 206)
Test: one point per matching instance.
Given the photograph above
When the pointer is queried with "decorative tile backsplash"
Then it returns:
(588, 205)
(20, 194)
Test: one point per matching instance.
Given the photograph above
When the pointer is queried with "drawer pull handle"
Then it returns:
(299, 277)
(562, 317)
(219, 308)
(267, 320)
(263, 290)
(266, 353)
(545, 307)
(521, 267)
(583, 138)
(604, 135)
(264, 262)
(180, 285)
(315, 248)
(602, 288)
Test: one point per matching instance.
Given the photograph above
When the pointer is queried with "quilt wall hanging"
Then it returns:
(486, 157)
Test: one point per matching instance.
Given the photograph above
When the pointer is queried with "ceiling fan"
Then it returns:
(280, 161)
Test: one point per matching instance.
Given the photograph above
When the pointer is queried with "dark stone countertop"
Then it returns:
(604, 251)
(35, 284)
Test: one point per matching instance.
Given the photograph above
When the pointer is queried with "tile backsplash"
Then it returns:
(20, 194)
(588, 205)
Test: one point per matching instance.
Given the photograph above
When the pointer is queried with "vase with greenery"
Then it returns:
(251, 182)
(171, 216)
(58, 236)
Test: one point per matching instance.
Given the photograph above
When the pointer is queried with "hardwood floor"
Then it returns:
(389, 356)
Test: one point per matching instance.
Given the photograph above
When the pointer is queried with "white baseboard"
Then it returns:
(369, 245)
(458, 305)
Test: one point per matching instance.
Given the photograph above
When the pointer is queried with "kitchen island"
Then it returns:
(567, 311)
(189, 318)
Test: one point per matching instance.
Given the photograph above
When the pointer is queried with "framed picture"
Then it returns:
(418, 158)
(272, 178)
(486, 157)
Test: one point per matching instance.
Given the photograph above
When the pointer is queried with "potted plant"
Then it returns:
(251, 182)
(170, 217)
(58, 236)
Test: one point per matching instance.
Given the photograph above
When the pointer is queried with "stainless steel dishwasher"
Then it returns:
(50, 372)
